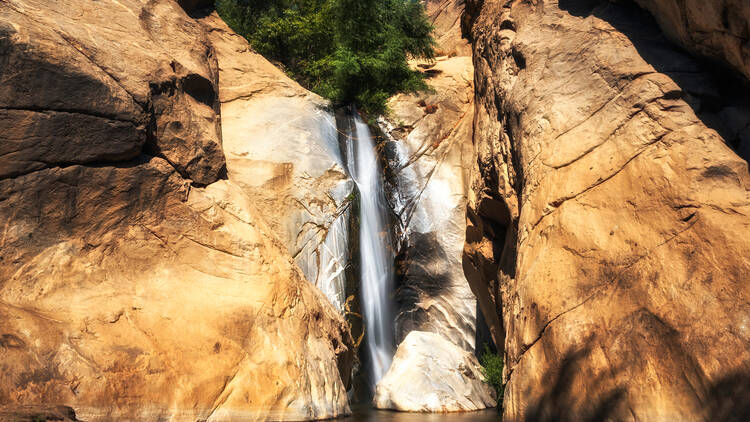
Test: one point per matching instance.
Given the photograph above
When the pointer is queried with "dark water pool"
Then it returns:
(366, 413)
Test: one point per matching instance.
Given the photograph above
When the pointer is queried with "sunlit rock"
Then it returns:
(139, 280)
(607, 214)
(281, 147)
(428, 149)
(431, 374)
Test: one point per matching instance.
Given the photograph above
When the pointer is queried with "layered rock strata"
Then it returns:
(137, 281)
(605, 218)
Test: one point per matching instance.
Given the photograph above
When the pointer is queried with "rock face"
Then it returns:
(717, 29)
(605, 218)
(159, 96)
(282, 148)
(137, 281)
(445, 16)
(38, 414)
(428, 146)
(431, 374)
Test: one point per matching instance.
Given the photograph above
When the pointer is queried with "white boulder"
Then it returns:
(431, 374)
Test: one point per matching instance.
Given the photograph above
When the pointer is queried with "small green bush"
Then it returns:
(350, 51)
(492, 369)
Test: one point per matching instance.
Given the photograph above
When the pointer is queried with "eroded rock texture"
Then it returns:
(282, 148)
(607, 218)
(427, 146)
(718, 29)
(64, 73)
(136, 281)
(431, 374)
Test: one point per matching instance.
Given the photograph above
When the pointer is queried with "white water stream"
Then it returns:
(376, 260)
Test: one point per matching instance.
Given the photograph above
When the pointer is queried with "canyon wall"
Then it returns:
(607, 211)
(141, 277)
(717, 29)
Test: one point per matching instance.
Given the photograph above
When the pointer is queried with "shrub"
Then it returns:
(350, 51)
(492, 369)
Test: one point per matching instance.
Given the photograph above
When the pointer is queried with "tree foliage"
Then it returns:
(346, 50)
(492, 369)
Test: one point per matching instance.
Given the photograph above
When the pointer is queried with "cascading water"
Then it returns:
(376, 259)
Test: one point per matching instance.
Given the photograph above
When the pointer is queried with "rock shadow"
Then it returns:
(561, 402)
(725, 399)
(717, 95)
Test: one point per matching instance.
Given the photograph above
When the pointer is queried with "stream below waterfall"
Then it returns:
(367, 413)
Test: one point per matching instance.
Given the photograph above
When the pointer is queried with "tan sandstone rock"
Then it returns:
(607, 219)
(126, 290)
(445, 16)
(717, 29)
(431, 374)
(142, 71)
(282, 148)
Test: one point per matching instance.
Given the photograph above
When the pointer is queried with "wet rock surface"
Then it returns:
(431, 374)
(428, 148)
(282, 148)
(603, 218)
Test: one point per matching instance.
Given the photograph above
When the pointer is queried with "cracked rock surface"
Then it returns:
(717, 29)
(138, 278)
(606, 216)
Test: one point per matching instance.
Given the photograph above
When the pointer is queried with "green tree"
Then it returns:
(492, 369)
(351, 51)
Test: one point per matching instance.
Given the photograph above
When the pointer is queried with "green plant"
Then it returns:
(350, 51)
(492, 369)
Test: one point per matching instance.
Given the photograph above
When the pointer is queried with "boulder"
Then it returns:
(606, 216)
(65, 73)
(138, 280)
(431, 374)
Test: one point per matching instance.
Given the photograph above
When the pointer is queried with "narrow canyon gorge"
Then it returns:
(187, 233)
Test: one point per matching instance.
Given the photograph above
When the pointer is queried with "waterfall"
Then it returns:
(376, 260)
(332, 256)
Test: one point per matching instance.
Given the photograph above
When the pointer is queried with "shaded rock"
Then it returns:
(38, 414)
(717, 29)
(427, 148)
(603, 217)
(192, 5)
(431, 374)
(33, 140)
(161, 91)
(282, 148)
